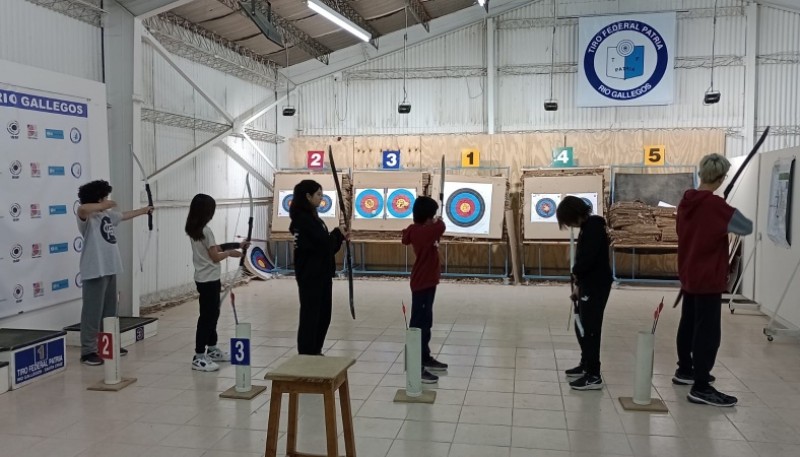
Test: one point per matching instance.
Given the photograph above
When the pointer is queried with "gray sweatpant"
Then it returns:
(99, 301)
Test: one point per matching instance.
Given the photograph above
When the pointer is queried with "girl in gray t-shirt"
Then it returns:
(206, 257)
(100, 262)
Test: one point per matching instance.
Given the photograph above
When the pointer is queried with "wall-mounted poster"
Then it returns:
(779, 223)
(543, 207)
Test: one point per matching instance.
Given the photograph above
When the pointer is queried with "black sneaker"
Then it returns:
(123, 352)
(429, 378)
(435, 365)
(587, 382)
(687, 379)
(91, 359)
(575, 373)
(711, 396)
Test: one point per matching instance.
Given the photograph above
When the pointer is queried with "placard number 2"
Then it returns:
(654, 155)
(316, 159)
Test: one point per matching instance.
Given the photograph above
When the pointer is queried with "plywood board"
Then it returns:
(558, 185)
(368, 151)
(285, 182)
(496, 212)
(383, 182)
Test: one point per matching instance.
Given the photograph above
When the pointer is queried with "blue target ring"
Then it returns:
(259, 260)
(546, 208)
(326, 205)
(465, 207)
(400, 203)
(287, 202)
(369, 204)
(589, 204)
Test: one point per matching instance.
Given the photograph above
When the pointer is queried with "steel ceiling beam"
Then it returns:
(419, 13)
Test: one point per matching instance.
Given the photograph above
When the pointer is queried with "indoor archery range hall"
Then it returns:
(399, 228)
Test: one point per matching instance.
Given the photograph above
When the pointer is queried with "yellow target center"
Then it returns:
(465, 207)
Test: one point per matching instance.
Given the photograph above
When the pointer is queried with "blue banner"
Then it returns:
(31, 102)
(38, 360)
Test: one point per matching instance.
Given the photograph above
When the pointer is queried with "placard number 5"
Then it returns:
(654, 155)
(316, 159)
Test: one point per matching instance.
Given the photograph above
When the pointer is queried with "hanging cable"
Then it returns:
(405, 43)
(713, 44)
(552, 49)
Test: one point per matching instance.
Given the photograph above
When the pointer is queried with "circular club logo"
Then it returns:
(546, 208)
(107, 230)
(401, 203)
(369, 204)
(13, 128)
(75, 135)
(16, 252)
(465, 207)
(78, 281)
(325, 205)
(15, 210)
(287, 202)
(77, 244)
(15, 168)
(19, 291)
(77, 170)
(626, 60)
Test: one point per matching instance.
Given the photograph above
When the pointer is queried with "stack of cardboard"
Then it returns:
(635, 223)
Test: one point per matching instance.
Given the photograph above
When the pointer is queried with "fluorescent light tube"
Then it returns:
(334, 16)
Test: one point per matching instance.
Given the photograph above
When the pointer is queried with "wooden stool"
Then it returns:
(311, 374)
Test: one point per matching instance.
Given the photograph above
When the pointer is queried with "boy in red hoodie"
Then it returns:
(423, 235)
(703, 223)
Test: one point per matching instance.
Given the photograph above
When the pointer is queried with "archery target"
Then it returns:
(543, 207)
(590, 198)
(258, 263)
(285, 202)
(369, 204)
(327, 208)
(467, 207)
(400, 203)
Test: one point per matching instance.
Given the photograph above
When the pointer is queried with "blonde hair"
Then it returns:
(713, 167)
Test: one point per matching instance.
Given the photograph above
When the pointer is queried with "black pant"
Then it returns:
(209, 315)
(699, 336)
(316, 304)
(422, 317)
(591, 313)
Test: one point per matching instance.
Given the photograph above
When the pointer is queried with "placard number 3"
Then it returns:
(391, 159)
(654, 155)
(241, 351)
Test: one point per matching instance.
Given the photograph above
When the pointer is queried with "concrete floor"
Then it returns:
(504, 394)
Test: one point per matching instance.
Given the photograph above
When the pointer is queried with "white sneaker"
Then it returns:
(218, 355)
(203, 363)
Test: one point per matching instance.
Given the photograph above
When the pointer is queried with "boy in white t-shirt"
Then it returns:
(100, 262)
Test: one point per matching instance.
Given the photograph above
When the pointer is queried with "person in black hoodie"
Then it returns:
(314, 265)
(592, 285)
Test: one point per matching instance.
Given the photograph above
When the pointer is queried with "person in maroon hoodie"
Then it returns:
(423, 235)
(703, 223)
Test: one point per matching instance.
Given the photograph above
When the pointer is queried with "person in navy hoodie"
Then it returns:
(703, 223)
(423, 235)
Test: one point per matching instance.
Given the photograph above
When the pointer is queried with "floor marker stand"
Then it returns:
(108, 350)
(643, 373)
(240, 358)
(413, 392)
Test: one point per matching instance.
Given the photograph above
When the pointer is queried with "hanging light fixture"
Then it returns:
(404, 107)
(288, 110)
(484, 4)
(712, 96)
(551, 104)
(334, 16)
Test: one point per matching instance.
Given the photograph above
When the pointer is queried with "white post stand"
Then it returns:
(643, 378)
(413, 392)
(240, 358)
(108, 349)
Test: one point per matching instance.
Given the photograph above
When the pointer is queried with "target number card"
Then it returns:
(391, 160)
(470, 158)
(544, 207)
(655, 155)
(563, 157)
(315, 160)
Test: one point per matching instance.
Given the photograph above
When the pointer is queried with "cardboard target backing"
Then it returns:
(284, 186)
(551, 189)
(366, 184)
(462, 187)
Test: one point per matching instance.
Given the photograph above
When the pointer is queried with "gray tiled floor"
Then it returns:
(504, 394)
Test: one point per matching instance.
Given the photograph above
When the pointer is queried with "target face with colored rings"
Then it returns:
(401, 203)
(287, 202)
(369, 204)
(589, 204)
(546, 208)
(325, 205)
(465, 207)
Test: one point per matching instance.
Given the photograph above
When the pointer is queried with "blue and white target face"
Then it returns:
(465, 207)
(400, 203)
(369, 204)
(286, 203)
(326, 205)
(258, 263)
(589, 204)
(546, 208)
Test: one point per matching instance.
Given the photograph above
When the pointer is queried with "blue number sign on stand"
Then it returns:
(391, 159)
(240, 351)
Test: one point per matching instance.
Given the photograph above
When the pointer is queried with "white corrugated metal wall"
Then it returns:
(40, 37)
(447, 79)
(168, 271)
